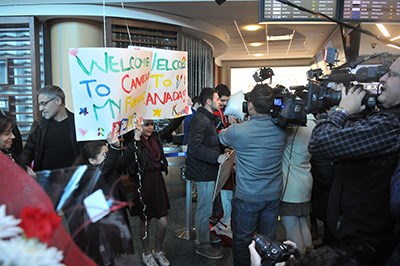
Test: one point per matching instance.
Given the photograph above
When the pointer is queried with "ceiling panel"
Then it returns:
(233, 15)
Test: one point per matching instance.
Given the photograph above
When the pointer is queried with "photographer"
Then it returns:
(365, 155)
(324, 256)
(259, 145)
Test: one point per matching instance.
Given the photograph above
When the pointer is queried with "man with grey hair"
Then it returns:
(51, 143)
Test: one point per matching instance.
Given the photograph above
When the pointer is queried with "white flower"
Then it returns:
(19, 251)
(8, 224)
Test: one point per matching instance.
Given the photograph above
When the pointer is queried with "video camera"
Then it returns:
(288, 109)
(272, 252)
(321, 96)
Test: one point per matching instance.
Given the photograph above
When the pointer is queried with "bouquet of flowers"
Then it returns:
(24, 241)
(31, 232)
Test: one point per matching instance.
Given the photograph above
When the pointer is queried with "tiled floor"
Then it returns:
(180, 252)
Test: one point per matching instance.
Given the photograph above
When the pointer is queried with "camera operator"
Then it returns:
(365, 155)
(259, 145)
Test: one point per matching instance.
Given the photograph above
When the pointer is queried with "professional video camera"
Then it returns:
(288, 109)
(272, 252)
(321, 96)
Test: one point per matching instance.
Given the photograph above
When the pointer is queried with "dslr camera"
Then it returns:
(272, 252)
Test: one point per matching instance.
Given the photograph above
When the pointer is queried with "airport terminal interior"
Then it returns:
(232, 42)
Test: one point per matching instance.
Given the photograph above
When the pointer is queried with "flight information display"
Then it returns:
(271, 10)
(371, 10)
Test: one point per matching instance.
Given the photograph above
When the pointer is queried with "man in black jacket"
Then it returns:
(365, 154)
(203, 158)
(51, 143)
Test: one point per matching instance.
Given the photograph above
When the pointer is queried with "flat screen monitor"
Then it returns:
(371, 11)
(274, 11)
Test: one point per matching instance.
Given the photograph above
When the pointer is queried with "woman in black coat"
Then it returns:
(145, 160)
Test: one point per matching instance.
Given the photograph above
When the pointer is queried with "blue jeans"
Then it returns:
(226, 198)
(249, 218)
(205, 192)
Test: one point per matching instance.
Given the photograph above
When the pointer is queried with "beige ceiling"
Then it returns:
(231, 17)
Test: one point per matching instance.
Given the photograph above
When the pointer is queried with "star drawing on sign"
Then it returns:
(157, 112)
(83, 111)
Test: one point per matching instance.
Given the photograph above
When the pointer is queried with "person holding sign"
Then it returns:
(204, 154)
(52, 141)
(145, 160)
(259, 145)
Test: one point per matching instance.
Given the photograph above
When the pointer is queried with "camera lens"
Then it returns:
(332, 98)
(262, 245)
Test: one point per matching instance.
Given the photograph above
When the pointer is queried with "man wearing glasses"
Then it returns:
(365, 154)
(51, 143)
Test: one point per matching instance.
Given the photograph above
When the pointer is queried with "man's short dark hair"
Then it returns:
(262, 98)
(207, 93)
(53, 91)
(196, 99)
(223, 90)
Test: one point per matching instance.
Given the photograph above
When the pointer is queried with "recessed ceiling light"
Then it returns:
(256, 44)
(383, 29)
(252, 27)
(287, 37)
(395, 38)
(258, 55)
(393, 46)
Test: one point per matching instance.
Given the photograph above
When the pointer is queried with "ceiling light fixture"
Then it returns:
(256, 44)
(258, 55)
(393, 46)
(287, 37)
(252, 27)
(383, 29)
(395, 38)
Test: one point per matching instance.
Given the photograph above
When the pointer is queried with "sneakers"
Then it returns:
(214, 239)
(149, 260)
(208, 251)
(222, 229)
(160, 258)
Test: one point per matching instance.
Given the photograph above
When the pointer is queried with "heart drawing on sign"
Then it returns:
(83, 131)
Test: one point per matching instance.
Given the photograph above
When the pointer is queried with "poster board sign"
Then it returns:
(113, 88)
(167, 88)
(224, 172)
(108, 89)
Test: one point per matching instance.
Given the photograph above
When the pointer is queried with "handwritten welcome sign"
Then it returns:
(167, 88)
(112, 88)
